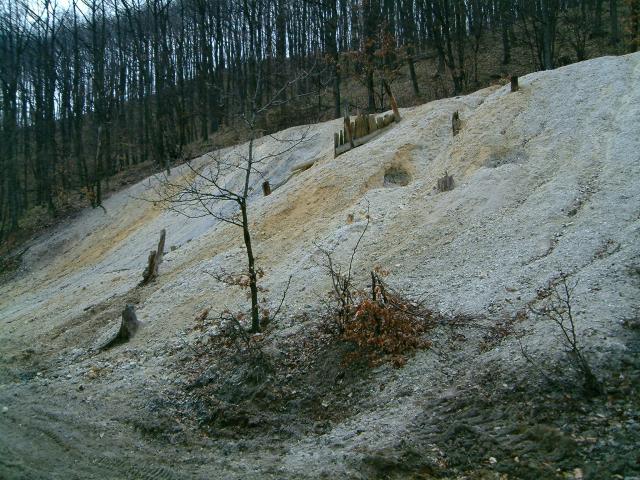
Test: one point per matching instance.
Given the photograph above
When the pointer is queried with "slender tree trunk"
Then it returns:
(412, 74)
(253, 277)
(597, 19)
(505, 17)
(547, 39)
(371, 24)
(408, 20)
(613, 14)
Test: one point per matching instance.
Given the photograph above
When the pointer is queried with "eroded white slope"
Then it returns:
(546, 179)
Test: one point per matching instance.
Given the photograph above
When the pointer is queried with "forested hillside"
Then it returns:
(98, 88)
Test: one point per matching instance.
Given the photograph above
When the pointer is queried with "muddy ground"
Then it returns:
(210, 408)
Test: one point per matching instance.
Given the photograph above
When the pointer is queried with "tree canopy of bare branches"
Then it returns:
(90, 88)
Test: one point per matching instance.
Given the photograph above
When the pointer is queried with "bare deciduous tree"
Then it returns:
(558, 307)
(223, 187)
(89, 88)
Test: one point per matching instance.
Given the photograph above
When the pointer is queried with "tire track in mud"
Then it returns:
(57, 446)
(139, 470)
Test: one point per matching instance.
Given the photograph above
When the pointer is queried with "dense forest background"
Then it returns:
(97, 93)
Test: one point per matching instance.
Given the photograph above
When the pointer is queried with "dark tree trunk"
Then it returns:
(613, 15)
(505, 23)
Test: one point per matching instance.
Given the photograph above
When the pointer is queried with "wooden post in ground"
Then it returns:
(394, 104)
(360, 127)
(348, 131)
(372, 123)
(514, 83)
(374, 289)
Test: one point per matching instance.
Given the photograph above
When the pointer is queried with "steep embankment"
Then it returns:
(546, 179)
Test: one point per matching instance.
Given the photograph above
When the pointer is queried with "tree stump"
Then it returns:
(154, 261)
(348, 131)
(514, 83)
(445, 183)
(128, 328)
(456, 123)
(266, 188)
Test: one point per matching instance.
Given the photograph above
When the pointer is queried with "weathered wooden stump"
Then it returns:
(456, 123)
(514, 83)
(348, 131)
(128, 328)
(266, 188)
(154, 261)
(445, 183)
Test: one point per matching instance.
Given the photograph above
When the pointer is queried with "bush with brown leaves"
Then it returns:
(385, 331)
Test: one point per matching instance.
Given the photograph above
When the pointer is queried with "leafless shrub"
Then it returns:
(243, 281)
(501, 329)
(382, 324)
(240, 346)
(341, 299)
(557, 307)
